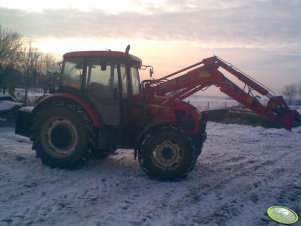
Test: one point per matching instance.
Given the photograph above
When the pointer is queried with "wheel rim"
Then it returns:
(59, 137)
(167, 155)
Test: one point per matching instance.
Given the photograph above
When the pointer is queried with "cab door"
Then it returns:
(103, 88)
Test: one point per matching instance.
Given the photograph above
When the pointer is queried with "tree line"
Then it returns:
(22, 65)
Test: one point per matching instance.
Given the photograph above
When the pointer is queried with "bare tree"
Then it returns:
(23, 65)
(30, 63)
(46, 65)
(10, 55)
(299, 94)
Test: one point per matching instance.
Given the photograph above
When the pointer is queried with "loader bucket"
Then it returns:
(278, 111)
(290, 119)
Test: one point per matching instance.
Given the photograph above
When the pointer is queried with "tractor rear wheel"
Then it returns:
(60, 138)
(167, 154)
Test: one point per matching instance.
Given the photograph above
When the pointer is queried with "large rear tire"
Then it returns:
(60, 138)
(167, 154)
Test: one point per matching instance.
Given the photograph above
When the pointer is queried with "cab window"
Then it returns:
(124, 80)
(102, 72)
(73, 71)
(102, 80)
(135, 80)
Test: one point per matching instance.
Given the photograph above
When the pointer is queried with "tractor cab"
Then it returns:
(108, 79)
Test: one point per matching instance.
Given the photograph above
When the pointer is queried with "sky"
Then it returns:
(260, 37)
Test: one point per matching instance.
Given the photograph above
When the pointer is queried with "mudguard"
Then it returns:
(73, 97)
(25, 116)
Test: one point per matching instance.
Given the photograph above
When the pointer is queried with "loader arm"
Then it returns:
(200, 76)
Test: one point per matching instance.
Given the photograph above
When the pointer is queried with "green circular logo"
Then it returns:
(282, 214)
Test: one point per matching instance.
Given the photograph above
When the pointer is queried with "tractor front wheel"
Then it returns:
(60, 138)
(167, 154)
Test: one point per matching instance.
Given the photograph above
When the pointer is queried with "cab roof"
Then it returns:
(108, 54)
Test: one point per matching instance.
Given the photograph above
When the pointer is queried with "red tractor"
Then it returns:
(101, 106)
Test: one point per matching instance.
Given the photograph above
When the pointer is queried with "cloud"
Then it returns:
(256, 24)
(261, 37)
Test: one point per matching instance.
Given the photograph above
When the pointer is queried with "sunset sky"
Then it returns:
(262, 38)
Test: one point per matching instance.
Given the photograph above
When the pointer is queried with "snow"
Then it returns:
(212, 103)
(27, 109)
(7, 105)
(241, 172)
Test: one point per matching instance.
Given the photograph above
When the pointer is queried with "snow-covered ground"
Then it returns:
(7, 105)
(242, 171)
(210, 103)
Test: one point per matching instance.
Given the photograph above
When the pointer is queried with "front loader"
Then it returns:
(101, 106)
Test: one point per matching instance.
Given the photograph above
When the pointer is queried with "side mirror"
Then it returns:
(151, 71)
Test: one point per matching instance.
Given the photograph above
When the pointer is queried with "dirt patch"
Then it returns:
(240, 115)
